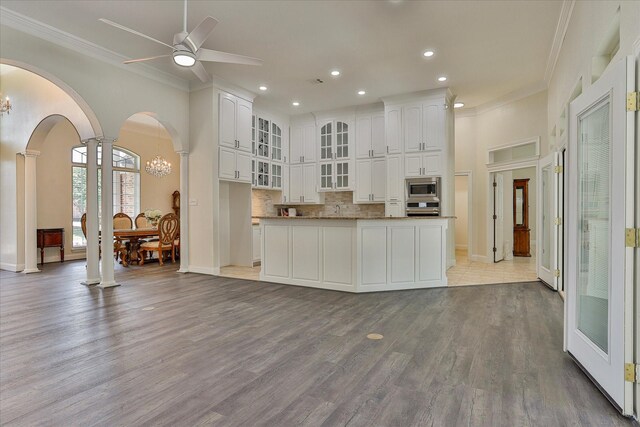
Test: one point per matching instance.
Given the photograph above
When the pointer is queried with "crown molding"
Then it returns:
(61, 38)
(558, 38)
(514, 96)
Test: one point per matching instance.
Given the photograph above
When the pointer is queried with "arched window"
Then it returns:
(126, 186)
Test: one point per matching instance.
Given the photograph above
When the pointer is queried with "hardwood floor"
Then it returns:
(173, 349)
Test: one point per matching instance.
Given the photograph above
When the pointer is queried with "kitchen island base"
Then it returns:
(354, 254)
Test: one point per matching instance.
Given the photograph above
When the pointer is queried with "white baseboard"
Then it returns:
(462, 247)
(479, 258)
(211, 271)
(67, 257)
(11, 267)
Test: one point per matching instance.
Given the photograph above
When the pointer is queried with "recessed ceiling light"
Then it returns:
(361, 92)
(428, 53)
(442, 79)
(458, 104)
(335, 73)
(295, 103)
(262, 88)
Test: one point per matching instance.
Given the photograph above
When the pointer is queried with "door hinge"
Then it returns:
(633, 101)
(631, 372)
(558, 169)
(556, 273)
(495, 184)
(495, 249)
(557, 221)
(632, 237)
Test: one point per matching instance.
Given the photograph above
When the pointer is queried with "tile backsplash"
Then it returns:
(267, 203)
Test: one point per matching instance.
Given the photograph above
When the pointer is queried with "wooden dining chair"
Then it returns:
(121, 221)
(83, 225)
(141, 221)
(168, 228)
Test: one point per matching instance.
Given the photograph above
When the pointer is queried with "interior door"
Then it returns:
(498, 217)
(546, 221)
(600, 267)
(559, 228)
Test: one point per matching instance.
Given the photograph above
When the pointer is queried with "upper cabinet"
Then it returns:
(423, 126)
(303, 144)
(235, 122)
(370, 136)
(334, 140)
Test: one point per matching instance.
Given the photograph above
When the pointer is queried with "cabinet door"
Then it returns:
(413, 165)
(256, 242)
(310, 188)
(243, 125)
(395, 178)
(326, 135)
(228, 121)
(378, 145)
(276, 176)
(433, 126)
(296, 145)
(342, 175)
(326, 175)
(401, 254)
(412, 118)
(310, 146)
(378, 179)
(363, 181)
(286, 196)
(432, 164)
(227, 164)
(262, 173)
(372, 259)
(243, 165)
(343, 137)
(363, 137)
(296, 184)
(393, 130)
(394, 209)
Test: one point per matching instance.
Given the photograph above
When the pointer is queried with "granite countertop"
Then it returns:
(356, 217)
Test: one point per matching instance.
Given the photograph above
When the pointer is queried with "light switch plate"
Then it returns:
(193, 202)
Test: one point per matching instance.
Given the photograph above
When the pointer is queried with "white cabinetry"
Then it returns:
(423, 126)
(395, 179)
(370, 136)
(234, 165)
(302, 184)
(419, 164)
(235, 122)
(256, 238)
(393, 129)
(370, 181)
(303, 146)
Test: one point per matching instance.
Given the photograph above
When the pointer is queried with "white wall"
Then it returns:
(478, 131)
(462, 211)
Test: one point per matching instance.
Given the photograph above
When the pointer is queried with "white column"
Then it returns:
(93, 253)
(107, 215)
(184, 212)
(30, 212)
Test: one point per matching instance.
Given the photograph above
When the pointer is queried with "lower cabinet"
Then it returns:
(256, 238)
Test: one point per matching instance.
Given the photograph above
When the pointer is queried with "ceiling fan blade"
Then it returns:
(137, 33)
(131, 61)
(201, 32)
(231, 58)
(198, 70)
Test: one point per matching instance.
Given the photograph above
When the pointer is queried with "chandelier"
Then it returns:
(5, 105)
(158, 167)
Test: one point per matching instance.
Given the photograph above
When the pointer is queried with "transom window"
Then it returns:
(126, 186)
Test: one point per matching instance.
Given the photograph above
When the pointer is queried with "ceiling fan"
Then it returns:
(186, 47)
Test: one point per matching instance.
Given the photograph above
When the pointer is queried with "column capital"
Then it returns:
(106, 140)
(30, 153)
(183, 153)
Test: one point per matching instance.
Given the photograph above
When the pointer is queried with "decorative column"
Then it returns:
(108, 280)
(93, 253)
(184, 212)
(30, 212)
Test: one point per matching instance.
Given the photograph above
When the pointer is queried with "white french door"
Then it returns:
(559, 229)
(546, 221)
(498, 217)
(601, 205)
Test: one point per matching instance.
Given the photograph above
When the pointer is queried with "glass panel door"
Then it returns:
(594, 169)
(325, 142)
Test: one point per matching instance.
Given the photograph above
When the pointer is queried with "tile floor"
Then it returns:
(465, 273)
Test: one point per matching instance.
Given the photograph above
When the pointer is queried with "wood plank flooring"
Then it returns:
(181, 350)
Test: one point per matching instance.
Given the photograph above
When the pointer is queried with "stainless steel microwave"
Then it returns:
(423, 188)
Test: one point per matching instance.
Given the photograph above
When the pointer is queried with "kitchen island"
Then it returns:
(355, 254)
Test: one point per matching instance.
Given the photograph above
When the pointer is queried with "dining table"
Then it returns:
(133, 235)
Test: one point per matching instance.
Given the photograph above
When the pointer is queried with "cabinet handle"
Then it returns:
(302, 159)
(387, 149)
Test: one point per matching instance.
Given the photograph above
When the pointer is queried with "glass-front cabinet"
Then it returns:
(267, 168)
(335, 151)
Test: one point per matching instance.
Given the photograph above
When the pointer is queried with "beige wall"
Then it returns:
(54, 179)
(487, 128)
(462, 211)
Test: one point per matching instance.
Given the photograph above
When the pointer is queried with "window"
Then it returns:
(126, 186)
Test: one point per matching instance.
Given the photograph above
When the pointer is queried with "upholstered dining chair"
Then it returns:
(141, 221)
(168, 228)
(121, 221)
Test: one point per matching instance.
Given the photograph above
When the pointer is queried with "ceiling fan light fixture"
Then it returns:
(184, 58)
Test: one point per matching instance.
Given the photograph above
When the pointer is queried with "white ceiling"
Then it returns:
(486, 48)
